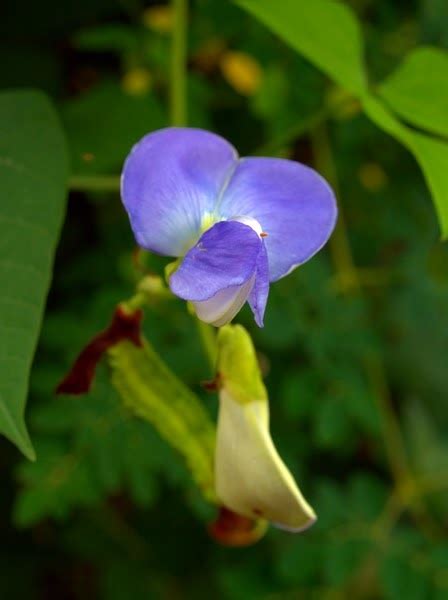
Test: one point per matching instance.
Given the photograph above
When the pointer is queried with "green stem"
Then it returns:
(179, 118)
(308, 124)
(296, 131)
(339, 244)
(208, 339)
(100, 183)
(179, 64)
(345, 267)
(394, 446)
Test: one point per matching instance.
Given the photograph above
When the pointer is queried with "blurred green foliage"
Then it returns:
(108, 511)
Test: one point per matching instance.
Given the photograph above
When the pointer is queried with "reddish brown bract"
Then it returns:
(124, 326)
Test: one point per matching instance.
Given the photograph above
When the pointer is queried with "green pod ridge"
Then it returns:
(238, 365)
(152, 392)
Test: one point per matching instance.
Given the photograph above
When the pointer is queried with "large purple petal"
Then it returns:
(260, 291)
(293, 204)
(171, 179)
(225, 256)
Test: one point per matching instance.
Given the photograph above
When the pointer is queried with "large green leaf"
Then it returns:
(33, 174)
(418, 89)
(431, 154)
(324, 31)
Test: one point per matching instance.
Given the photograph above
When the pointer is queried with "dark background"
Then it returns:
(355, 361)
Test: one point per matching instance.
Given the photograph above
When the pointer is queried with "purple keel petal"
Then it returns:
(171, 179)
(260, 291)
(293, 204)
(225, 256)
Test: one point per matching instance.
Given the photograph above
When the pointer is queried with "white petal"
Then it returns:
(223, 306)
(251, 478)
(250, 222)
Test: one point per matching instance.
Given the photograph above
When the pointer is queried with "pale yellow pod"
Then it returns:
(251, 478)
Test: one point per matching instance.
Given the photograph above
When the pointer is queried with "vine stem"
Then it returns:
(406, 493)
(178, 110)
(209, 343)
(100, 183)
(111, 183)
(178, 103)
(350, 283)
(293, 133)
(178, 82)
(178, 107)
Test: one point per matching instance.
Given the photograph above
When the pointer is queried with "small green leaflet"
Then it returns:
(418, 90)
(431, 154)
(327, 33)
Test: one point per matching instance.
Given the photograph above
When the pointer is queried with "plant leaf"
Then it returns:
(431, 154)
(33, 175)
(418, 90)
(324, 31)
(327, 33)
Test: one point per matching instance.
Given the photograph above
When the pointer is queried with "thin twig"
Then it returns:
(178, 81)
(100, 183)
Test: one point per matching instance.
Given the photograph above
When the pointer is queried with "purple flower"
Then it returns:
(237, 223)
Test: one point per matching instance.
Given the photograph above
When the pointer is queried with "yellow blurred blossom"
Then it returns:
(158, 18)
(136, 82)
(241, 71)
(372, 176)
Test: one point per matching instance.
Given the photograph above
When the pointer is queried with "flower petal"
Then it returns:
(224, 257)
(293, 204)
(171, 179)
(260, 291)
(224, 305)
